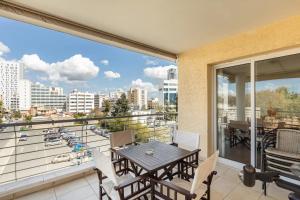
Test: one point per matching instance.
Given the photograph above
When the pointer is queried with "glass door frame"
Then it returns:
(251, 61)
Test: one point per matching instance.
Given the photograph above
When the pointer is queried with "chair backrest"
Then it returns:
(241, 125)
(288, 140)
(121, 138)
(104, 164)
(187, 140)
(203, 171)
(280, 125)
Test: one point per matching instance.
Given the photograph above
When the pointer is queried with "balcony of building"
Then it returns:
(238, 68)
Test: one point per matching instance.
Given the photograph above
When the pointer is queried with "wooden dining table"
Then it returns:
(165, 157)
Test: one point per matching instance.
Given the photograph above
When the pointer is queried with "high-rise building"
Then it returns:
(172, 74)
(10, 75)
(98, 100)
(137, 98)
(114, 95)
(24, 93)
(47, 97)
(169, 89)
(80, 102)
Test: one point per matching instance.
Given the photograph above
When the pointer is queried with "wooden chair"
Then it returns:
(181, 189)
(189, 141)
(280, 150)
(118, 140)
(116, 187)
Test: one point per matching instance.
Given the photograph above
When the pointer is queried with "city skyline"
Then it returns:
(71, 62)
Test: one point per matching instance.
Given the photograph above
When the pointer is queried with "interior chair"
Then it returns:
(280, 150)
(240, 132)
(189, 141)
(179, 189)
(116, 187)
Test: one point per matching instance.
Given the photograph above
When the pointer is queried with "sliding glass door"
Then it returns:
(234, 112)
(277, 95)
(253, 98)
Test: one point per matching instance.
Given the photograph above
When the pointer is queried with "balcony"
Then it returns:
(238, 64)
(225, 186)
(31, 167)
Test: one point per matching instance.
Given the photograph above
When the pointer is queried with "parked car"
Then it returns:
(61, 129)
(79, 147)
(105, 133)
(53, 142)
(67, 135)
(51, 136)
(63, 158)
(23, 137)
(92, 127)
(73, 138)
(71, 143)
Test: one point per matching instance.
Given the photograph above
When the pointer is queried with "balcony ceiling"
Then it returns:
(171, 25)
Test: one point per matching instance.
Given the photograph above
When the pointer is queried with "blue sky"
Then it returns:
(55, 50)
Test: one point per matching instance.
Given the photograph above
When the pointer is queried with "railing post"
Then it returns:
(154, 127)
(86, 135)
(16, 143)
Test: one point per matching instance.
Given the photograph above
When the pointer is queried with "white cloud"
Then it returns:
(3, 49)
(74, 69)
(147, 85)
(160, 72)
(104, 62)
(151, 62)
(34, 62)
(112, 75)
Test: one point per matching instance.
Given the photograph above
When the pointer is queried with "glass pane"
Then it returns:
(277, 95)
(234, 112)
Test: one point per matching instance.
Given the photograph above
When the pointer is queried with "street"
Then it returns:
(33, 157)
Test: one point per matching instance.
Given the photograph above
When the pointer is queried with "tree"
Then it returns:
(17, 114)
(78, 115)
(107, 107)
(1, 106)
(96, 112)
(121, 107)
(28, 118)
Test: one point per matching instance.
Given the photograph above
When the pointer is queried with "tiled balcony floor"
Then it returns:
(226, 185)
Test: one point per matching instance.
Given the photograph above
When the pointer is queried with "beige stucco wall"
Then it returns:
(195, 68)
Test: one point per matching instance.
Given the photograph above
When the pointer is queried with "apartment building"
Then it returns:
(47, 97)
(10, 75)
(24, 93)
(137, 98)
(80, 102)
(98, 100)
(169, 89)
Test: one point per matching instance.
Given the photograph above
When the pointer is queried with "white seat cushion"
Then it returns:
(186, 185)
(113, 194)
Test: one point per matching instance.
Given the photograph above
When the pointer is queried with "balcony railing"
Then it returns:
(30, 149)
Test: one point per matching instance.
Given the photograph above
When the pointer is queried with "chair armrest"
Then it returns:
(176, 188)
(131, 181)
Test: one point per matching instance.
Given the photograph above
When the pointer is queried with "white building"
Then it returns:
(10, 75)
(169, 89)
(80, 102)
(137, 98)
(47, 97)
(24, 93)
(98, 100)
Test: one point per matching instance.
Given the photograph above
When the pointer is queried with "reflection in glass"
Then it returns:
(277, 95)
(234, 112)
